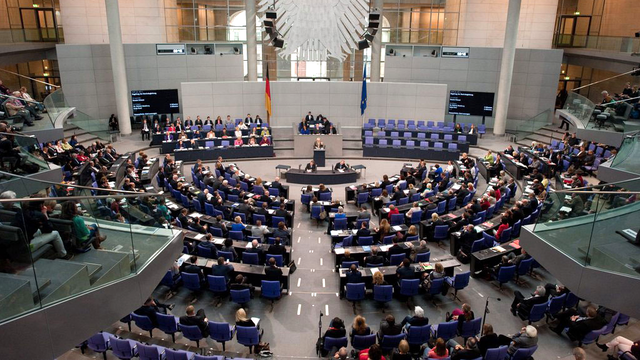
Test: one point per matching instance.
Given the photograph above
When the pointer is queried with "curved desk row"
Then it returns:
(227, 153)
(327, 177)
(411, 153)
(168, 147)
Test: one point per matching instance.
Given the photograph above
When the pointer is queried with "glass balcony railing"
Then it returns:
(581, 108)
(595, 226)
(602, 43)
(25, 156)
(532, 125)
(60, 240)
(628, 157)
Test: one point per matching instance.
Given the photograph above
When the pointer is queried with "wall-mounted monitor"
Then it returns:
(170, 49)
(154, 102)
(455, 52)
(471, 103)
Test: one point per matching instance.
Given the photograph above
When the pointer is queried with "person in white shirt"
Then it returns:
(242, 126)
(238, 132)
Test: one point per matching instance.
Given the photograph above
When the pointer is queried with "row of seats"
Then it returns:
(409, 144)
(128, 349)
(419, 125)
(420, 135)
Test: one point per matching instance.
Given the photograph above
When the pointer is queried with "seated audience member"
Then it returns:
(359, 327)
(242, 283)
(341, 354)
(151, 307)
(439, 351)
(273, 272)
(526, 338)
(402, 352)
(437, 273)
(388, 326)
(579, 326)
(222, 269)
(84, 233)
(282, 232)
(459, 352)
(620, 344)
(311, 167)
(488, 340)
(523, 305)
(418, 318)
(405, 271)
(461, 316)
(336, 330)
(243, 320)
(374, 258)
(353, 275)
(199, 319)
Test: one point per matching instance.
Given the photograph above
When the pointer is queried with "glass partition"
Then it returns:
(580, 107)
(532, 125)
(594, 226)
(25, 157)
(601, 43)
(628, 157)
(61, 239)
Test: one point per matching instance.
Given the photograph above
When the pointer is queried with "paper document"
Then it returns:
(397, 228)
(199, 236)
(338, 251)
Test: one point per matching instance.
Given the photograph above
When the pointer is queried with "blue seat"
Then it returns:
(536, 313)
(390, 342)
(388, 239)
(150, 352)
(396, 259)
(447, 330)
(123, 348)
(591, 337)
(451, 206)
(340, 224)
(178, 354)
(458, 282)
(278, 258)
(418, 335)
(382, 293)
(248, 336)
(441, 232)
(365, 241)
(571, 301)
(315, 213)
(191, 282)
(515, 232)
(192, 332)
(262, 218)
(186, 202)
(236, 235)
(277, 220)
(205, 251)
(240, 297)
(506, 235)
(217, 284)
(505, 274)
(416, 217)
(611, 325)
(221, 332)
(347, 264)
(471, 328)
(143, 322)
(555, 306)
(499, 353)
(403, 201)
(250, 258)
(325, 196)
(361, 342)
(169, 281)
(412, 238)
(478, 245)
(442, 207)
(423, 257)
(331, 344)
(228, 255)
(523, 268)
(355, 292)
(99, 343)
(362, 198)
(409, 287)
(208, 209)
(270, 290)
(524, 353)
(490, 211)
(305, 199)
(167, 324)
(436, 287)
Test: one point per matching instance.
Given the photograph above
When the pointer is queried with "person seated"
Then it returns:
(282, 232)
(618, 345)
(242, 283)
(418, 318)
(353, 276)
(330, 130)
(273, 272)
(488, 340)
(196, 318)
(359, 327)
(579, 326)
(303, 129)
(311, 167)
(374, 258)
(238, 142)
(36, 226)
(469, 351)
(461, 316)
(255, 249)
(238, 225)
(341, 166)
(243, 320)
(393, 210)
(227, 246)
(372, 353)
(265, 141)
(151, 307)
(248, 120)
(526, 338)
(403, 351)
(523, 305)
(222, 269)
(388, 326)
(341, 354)
(340, 214)
(439, 351)
(427, 278)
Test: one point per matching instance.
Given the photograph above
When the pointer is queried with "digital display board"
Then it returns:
(154, 102)
(471, 103)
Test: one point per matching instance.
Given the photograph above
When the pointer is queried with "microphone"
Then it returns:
(321, 314)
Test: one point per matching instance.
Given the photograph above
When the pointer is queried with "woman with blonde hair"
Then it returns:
(242, 319)
(403, 351)
(383, 230)
(359, 327)
(413, 230)
(378, 279)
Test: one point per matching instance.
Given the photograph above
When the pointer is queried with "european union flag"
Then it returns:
(363, 100)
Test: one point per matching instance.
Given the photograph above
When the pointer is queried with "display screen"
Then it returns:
(470, 103)
(155, 102)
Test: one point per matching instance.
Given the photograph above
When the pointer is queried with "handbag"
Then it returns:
(323, 215)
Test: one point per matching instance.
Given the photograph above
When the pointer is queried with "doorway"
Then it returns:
(573, 30)
(39, 24)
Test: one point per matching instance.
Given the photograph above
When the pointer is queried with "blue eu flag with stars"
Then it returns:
(363, 100)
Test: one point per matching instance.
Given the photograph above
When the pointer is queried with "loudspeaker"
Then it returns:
(374, 17)
(373, 25)
(268, 30)
(277, 42)
(268, 23)
(368, 36)
(363, 44)
(271, 14)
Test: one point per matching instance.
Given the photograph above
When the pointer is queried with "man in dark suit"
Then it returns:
(374, 258)
(398, 194)
(277, 185)
(396, 249)
(273, 272)
(222, 269)
(388, 326)
(242, 283)
(248, 120)
(190, 267)
(151, 307)
(462, 193)
(522, 305)
(311, 167)
(579, 326)
(199, 319)
(281, 212)
(405, 271)
(308, 118)
(353, 275)
(341, 166)
(467, 237)
(255, 248)
(277, 248)
(364, 230)
(262, 210)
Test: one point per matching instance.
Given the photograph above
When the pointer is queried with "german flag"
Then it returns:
(267, 96)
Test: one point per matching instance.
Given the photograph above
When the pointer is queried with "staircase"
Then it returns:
(543, 135)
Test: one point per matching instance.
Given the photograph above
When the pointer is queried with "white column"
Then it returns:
(376, 46)
(252, 51)
(118, 66)
(506, 69)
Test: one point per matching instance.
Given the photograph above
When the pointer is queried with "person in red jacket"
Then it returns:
(504, 225)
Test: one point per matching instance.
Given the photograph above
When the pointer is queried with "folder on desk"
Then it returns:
(426, 266)
(338, 251)
(499, 249)
(397, 228)
(199, 236)
(366, 248)
(374, 270)
(202, 261)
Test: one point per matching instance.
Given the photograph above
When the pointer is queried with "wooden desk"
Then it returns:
(489, 257)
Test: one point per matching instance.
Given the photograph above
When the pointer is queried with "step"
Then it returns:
(16, 295)
(28, 277)
(114, 264)
(92, 268)
(539, 138)
(67, 278)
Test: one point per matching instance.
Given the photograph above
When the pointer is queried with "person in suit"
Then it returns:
(273, 272)
(198, 121)
(276, 184)
(282, 232)
(242, 283)
(488, 340)
(523, 305)
(405, 271)
(151, 307)
(311, 167)
(364, 231)
(190, 267)
(388, 326)
(341, 166)
(188, 123)
(579, 326)
(374, 258)
(281, 211)
(418, 318)
(526, 338)
(363, 213)
(196, 318)
(462, 193)
(222, 269)
(318, 144)
(208, 121)
(459, 352)
(308, 118)
(248, 120)
(395, 248)
(277, 248)
(146, 130)
(353, 275)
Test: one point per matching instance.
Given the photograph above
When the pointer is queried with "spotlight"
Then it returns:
(194, 51)
(373, 25)
(268, 23)
(392, 52)
(236, 51)
(363, 44)
(271, 14)
(208, 50)
(373, 31)
(374, 16)
(268, 30)
(368, 36)
(277, 42)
